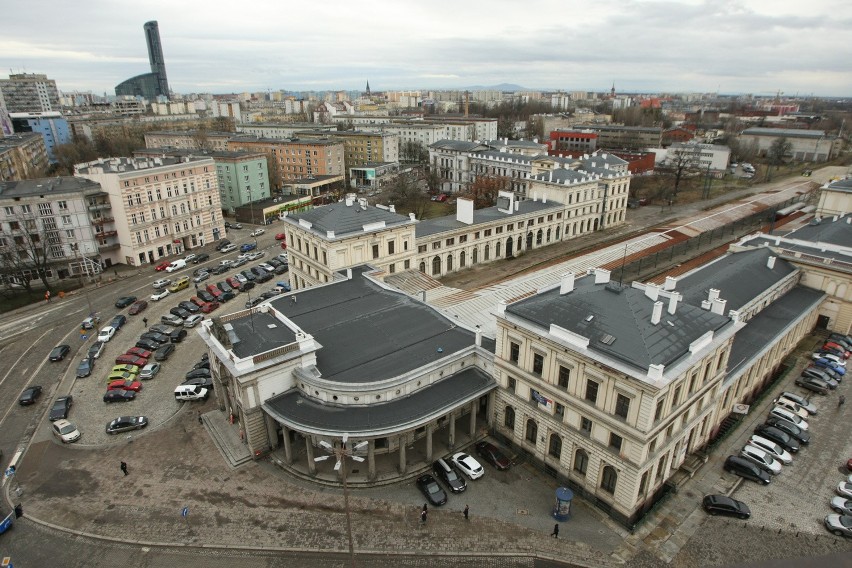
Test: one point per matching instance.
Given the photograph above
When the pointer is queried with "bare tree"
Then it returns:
(26, 256)
(484, 190)
(778, 151)
(678, 164)
(413, 153)
(405, 194)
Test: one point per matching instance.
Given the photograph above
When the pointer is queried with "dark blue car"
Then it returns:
(247, 247)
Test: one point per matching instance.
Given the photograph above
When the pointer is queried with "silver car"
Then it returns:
(149, 371)
(842, 505)
(801, 401)
(839, 525)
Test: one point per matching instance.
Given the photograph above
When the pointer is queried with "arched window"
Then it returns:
(609, 479)
(509, 418)
(423, 267)
(520, 242)
(449, 263)
(538, 237)
(555, 446)
(548, 234)
(475, 256)
(532, 431)
(487, 255)
(461, 259)
(557, 233)
(581, 462)
(529, 241)
(497, 249)
(436, 266)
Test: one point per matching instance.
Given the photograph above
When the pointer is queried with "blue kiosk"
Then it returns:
(562, 510)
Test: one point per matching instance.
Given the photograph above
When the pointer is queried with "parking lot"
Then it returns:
(797, 499)
(156, 398)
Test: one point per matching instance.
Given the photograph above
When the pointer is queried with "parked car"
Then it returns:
(160, 294)
(271, 294)
(209, 307)
(119, 396)
(778, 436)
(190, 257)
(191, 307)
(256, 254)
(827, 365)
(781, 412)
(149, 371)
(281, 269)
(139, 352)
(842, 505)
(254, 302)
(193, 320)
(431, 490)
(746, 469)
(234, 283)
(249, 275)
(180, 312)
(90, 322)
(844, 489)
(490, 453)
(106, 334)
(206, 382)
(227, 296)
(132, 359)
(266, 266)
(761, 458)
(801, 401)
(802, 436)
(118, 321)
(280, 237)
(96, 349)
(177, 335)
(126, 424)
(791, 406)
(125, 385)
(200, 258)
(120, 376)
(84, 369)
(230, 247)
(66, 431)
(222, 243)
(224, 286)
(248, 286)
(147, 344)
(264, 276)
(206, 296)
(247, 247)
(132, 369)
(163, 352)
(59, 352)
(214, 290)
(201, 277)
(257, 232)
(161, 283)
(449, 476)
(838, 525)
(812, 384)
(30, 395)
(159, 338)
(171, 319)
(724, 505)
(203, 372)
(774, 450)
(137, 307)
(162, 266)
(283, 286)
(124, 301)
(468, 465)
(221, 269)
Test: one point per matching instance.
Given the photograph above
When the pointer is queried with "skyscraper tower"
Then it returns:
(155, 55)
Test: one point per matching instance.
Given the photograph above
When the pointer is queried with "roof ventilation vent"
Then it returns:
(608, 339)
(589, 318)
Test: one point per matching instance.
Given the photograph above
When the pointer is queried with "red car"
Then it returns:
(139, 352)
(137, 307)
(849, 464)
(125, 385)
(209, 307)
(197, 301)
(283, 245)
(162, 266)
(213, 289)
(280, 237)
(234, 283)
(131, 360)
(833, 345)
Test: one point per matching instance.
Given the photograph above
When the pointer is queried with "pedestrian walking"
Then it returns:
(422, 516)
(425, 507)
(145, 322)
(555, 532)
(840, 401)
(124, 468)
(47, 296)
(200, 421)
(466, 513)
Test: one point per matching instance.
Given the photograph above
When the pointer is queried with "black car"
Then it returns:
(119, 395)
(206, 296)
(490, 453)
(30, 395)
(180, 312)
(206, 382)
(201, 258)
(222, 243)
(189, 306)
(148, 345)
(177, 335)
(59, 352)
(96, 349)
(746, 469)
(163, 352)
(221, 269)
(787, 427)
(281, 269)
(250, 276)
(60, 408)
(274, 262)
(227, 296)
(84, 369)
(449, 476)
(239, 262)
(199, 373)
(724, 505)
(430, 488)
(255, 301)
(224, 286)
(124, 301)
(265, 276)
(270, 294)
(126, 423)
(162, 328)
(247, 286)
(158, 338)
(118, 322)
(203, 364)
(780, 437)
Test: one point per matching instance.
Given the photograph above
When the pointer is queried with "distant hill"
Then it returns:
(510, 87)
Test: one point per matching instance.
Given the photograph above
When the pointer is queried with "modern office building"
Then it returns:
(51, 125)
(29, 92)
(160, 206)
(154, 84)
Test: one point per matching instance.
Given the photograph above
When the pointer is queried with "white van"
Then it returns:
(190, 392)
(176, 265)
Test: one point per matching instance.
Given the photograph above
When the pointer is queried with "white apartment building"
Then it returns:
(162, 206)
(702, 157)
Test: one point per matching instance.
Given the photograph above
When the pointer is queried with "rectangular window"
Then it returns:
(591, 391)
(560, 410)
(659, 412)
(463, 239)
(585, 426)
(512, 384)
(564, 377)
(676, 397)
(652, 447)
(375, 251)
(451, 242)
(421, 248)
(514, 352)
(622, 406)
(391, 247)
(615, 441)
(407, 264)
(538, 363)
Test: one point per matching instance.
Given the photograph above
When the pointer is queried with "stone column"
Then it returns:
(451, 443)
(371, 460)
(429, 428)
(489, 408)
(309, 451)
(402, 464)
(272, 431)
(288, 449)
(473, 406)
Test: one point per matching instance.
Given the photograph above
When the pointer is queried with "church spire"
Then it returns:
(368, 89)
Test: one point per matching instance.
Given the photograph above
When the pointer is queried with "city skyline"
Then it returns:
(759, 47)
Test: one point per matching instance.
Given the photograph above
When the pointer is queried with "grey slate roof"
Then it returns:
(739, 277)
(761, 330)
(841, 185)
(457, 145)
(806, 249)
(561, 175)
(305, 414)
(827, 231)
(48, 187)
(369, 333)
(624, 315)
(499, 143)
(785, 132)
(259, 333)
(505, 156)
(346, 219)
(428, 227)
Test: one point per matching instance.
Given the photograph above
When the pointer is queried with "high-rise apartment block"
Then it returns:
(29, 92)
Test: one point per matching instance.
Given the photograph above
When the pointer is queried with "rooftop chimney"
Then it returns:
(349, 274)
(673, 300)
(392, 208)
(601, 276)
(670, 284)
(464, 210)
(478, 336)
(718, 306)
(770, 262)
(567, 284)
(714, 294)
(652, 291)
(412, 216)
(657, 313)
(501, 307)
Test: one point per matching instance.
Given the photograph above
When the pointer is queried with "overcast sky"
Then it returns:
(729, 46)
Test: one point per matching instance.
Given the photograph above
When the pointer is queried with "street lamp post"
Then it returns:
(76, 248)
(342, 452)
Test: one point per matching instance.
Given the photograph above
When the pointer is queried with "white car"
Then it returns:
(190, 257)
(228, 248)
(762, 459)
(243, 256)
(161, 283)
(255, 255)
(226, 262)
(801, 401)
(192, 320)
(283, 257)
(257, 232)
(65, 431)
(784, 414)
(784, 402)
(106, 333)
(771, 448)
(159, 295)
(469, 466)
(241, 278)
(267, 267)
